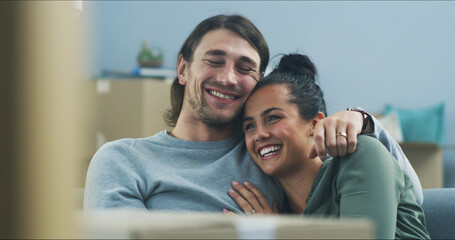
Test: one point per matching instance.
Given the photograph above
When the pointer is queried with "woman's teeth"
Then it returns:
(269, 150)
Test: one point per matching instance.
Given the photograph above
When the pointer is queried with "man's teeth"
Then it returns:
(269, 150)
(220, 95)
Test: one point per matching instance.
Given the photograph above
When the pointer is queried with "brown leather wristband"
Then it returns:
(365, 115)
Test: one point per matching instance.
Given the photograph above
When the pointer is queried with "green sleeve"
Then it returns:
(369, 184)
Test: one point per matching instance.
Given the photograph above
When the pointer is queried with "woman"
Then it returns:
(278, 121)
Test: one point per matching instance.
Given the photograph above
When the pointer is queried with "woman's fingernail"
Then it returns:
(246, 183)
(231, 191)
(235, 183)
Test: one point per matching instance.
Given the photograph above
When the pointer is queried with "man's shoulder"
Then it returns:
(126, 147)
(130, 142)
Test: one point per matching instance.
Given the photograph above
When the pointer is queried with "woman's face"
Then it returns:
(277, 138)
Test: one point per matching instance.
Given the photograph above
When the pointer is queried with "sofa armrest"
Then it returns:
(439, 208)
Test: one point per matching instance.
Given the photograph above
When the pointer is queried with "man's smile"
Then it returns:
(221, 95)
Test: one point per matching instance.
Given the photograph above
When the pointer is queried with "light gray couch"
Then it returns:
(439, 207)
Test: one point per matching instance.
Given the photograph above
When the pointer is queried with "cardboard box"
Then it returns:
(131, 108)
(427, 161)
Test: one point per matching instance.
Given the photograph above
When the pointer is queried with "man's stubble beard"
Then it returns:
(207, 117)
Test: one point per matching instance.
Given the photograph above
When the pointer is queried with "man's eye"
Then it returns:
(215, 63)
(245, 70)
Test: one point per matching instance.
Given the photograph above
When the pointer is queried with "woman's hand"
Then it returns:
(336, 134)
(250, 199)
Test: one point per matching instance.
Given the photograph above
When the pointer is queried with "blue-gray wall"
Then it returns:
(367, 53)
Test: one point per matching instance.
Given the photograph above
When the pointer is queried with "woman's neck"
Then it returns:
(297, 186)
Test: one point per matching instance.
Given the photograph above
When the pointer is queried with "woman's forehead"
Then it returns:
(268, 96)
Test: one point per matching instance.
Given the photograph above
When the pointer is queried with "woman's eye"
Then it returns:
(272, 118)
(248, 127)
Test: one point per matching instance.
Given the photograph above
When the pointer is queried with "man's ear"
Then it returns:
(182, 68)
(319, 116)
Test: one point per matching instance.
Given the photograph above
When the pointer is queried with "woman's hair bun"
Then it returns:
(297, 63)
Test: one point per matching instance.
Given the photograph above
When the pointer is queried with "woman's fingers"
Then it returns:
(342, 140)
(258, 194)
(336, 134)
(228, 212)
(275, 207)
(251, 199)
(244, 204)
(250, 202)
(330, 126)
(352, 139)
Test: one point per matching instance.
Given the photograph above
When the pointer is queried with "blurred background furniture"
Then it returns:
(421, 134)
(140, 224)
(123, 108)
(427, 160)
(438, 206)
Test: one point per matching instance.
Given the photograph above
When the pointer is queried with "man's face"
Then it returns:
(223, 72)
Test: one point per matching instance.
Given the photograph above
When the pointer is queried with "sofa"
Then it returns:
(439, 208)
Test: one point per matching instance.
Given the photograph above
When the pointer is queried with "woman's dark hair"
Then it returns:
(237, 24)
(298, 73)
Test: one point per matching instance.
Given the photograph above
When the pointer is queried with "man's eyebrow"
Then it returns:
(218, 52)
(249, 61)
(215, 52)
(263, 113)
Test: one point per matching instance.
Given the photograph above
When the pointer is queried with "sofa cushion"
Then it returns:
(421, 125)
(439, 208)
(392, 125)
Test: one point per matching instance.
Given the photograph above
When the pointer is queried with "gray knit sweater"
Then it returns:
(165, 173)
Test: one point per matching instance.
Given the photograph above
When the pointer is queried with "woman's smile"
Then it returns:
(269, 151)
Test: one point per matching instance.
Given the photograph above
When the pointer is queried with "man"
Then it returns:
(192, 166)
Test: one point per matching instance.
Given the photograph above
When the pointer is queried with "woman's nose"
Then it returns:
(261, 133)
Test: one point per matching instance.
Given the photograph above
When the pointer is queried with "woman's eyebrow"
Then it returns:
(270, 109)
(267, 111)
(247, 119)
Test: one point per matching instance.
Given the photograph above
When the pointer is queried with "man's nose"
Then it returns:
(227, 76)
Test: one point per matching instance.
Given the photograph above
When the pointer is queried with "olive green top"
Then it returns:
(368, 183)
